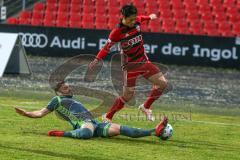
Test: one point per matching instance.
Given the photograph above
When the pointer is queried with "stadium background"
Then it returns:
(94, 19)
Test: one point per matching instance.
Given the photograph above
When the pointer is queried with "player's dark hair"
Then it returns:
(128, 10)
(58, 85)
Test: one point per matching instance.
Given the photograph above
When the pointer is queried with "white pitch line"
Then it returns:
(29, 107)
(189, 121)
(19, 105)
(193, 121)
(212, 123)
(28, 103)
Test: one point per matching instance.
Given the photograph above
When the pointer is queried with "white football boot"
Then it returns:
(147, 112)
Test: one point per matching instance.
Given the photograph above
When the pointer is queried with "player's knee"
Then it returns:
(162, 84)
(85, 133)
(128, 96)
(165, 83)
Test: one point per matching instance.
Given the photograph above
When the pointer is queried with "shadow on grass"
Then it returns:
(110, 139)
(205, 145)
(177, 143)
(50, 153)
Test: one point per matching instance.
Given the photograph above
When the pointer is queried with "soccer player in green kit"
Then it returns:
(83, 123)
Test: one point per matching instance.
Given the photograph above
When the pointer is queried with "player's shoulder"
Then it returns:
(119, 27)
(115, 33)
(53, 104)
(55, 99)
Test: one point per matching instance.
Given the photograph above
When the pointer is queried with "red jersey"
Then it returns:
(130, 41)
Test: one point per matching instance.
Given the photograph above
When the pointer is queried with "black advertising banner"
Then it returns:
(163, 48)
(49, 41)
(193, 50)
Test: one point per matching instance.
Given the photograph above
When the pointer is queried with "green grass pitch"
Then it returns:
(208, 135)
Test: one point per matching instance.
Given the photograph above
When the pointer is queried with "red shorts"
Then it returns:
(146, 70)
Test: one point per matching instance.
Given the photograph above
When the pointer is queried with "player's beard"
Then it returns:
(69, 93)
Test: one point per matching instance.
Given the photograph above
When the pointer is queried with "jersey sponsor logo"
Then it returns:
(34, 40)
(135, 40)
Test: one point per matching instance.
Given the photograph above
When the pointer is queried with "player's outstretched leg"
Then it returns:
(85, 132)
(135, 132)
(116, 129)
(56, 133)
(160, 127)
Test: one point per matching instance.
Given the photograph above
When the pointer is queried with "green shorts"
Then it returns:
(101, 129)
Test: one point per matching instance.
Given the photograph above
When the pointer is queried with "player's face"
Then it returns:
(130, 21)
(65, 89)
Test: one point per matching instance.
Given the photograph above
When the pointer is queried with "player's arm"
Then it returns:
(52, 105)
(113, 38)
(34, 114)
(142, 19)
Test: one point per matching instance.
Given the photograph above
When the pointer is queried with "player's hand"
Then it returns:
(93, 64)
(20, 111)
(153, 16)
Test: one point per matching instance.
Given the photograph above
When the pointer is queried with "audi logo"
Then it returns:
(135, 40)
(34, 40)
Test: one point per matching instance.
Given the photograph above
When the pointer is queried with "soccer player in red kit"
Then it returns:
(135, 61)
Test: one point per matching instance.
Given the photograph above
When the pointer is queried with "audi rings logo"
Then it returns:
(34, 40)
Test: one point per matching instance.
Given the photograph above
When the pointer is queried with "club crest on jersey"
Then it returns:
(138, 28)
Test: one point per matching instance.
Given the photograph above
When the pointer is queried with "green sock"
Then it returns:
(135, 132)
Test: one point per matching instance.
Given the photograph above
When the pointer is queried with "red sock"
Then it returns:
(153, 96)
(55, 133)
(117, 105)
